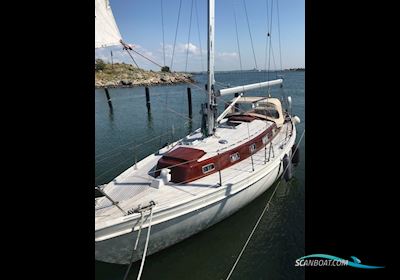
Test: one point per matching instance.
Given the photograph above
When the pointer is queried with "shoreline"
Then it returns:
(121, 75)
(144, 84)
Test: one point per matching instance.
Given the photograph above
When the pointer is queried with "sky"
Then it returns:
(140, 24)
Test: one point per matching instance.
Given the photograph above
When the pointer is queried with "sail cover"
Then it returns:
(106, 30)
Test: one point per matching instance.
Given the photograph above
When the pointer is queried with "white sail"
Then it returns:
(106, 30)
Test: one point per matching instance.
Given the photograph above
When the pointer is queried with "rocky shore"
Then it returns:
(126, 75)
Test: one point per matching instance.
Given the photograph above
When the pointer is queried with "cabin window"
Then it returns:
(235, 157)
(265, 139)
(272, 113)
(252, 147)
(207, 168)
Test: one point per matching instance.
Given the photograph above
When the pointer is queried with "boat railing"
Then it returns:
(222, 179)
(267, 158)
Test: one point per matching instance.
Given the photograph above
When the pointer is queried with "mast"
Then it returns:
(211, 105)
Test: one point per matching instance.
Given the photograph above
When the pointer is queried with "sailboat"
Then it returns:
(199, 180)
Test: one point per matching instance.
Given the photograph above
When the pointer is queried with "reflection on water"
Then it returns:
(283, 189)
(149, 120)
(111, 114)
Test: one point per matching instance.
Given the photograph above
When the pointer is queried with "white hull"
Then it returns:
(187, 220)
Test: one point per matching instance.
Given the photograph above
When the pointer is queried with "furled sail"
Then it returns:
(106, 30)
(249, 87)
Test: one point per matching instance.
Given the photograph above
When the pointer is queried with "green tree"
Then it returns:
(99, 64)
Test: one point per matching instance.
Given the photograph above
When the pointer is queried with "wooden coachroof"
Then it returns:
(184, 154)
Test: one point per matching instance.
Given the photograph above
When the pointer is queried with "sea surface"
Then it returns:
(127, 133)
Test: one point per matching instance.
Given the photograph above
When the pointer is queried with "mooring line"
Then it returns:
(135, 247)
(145, 246)
(137, 241)
(262, 214)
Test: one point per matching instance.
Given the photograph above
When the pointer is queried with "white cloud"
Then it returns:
(197, 61)
(192, 48)
(140, 49)
(227, 54)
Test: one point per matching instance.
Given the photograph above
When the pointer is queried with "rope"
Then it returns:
(176, 33)
(134, 248)
(145, 246)
(266, 208)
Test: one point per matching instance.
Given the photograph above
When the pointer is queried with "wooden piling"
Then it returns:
(108, 98)
(148, 99)
(189, 95)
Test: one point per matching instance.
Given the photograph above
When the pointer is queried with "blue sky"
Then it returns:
(139, 22)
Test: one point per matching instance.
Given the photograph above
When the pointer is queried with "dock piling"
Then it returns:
(108, 97)
(189, 95)
(148, 99)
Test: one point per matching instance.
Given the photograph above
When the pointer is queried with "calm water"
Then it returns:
(128, 131)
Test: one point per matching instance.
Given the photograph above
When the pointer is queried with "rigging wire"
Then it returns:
(267, 37)
(279, 36)
(237, 36)
(121, 164)
(176, 33)
(142, 55)
(251, 38)
(143, 140)
(273, 60)
(188, 42)
(127, 98)
(188, 45)
(166, 108)
(151, 139)
(198, 33)
(131, 57)
(270, 47)
(162, 26)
